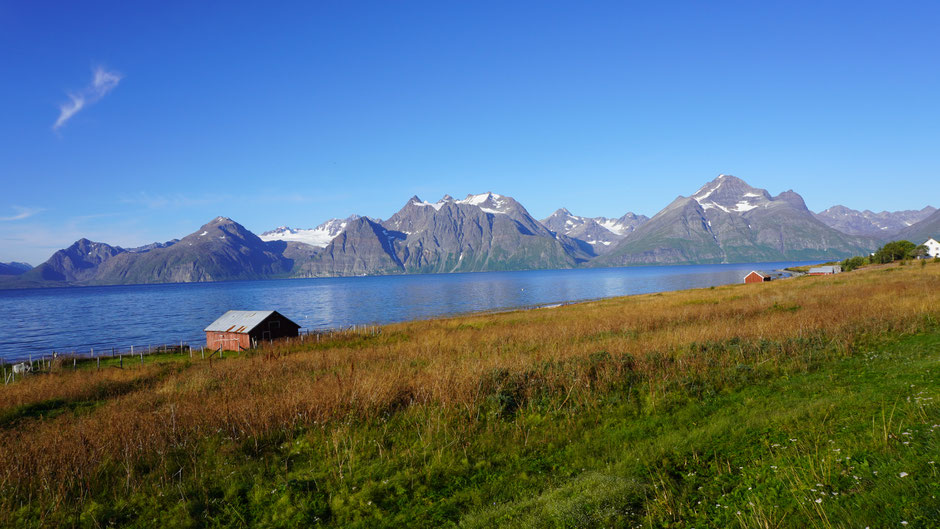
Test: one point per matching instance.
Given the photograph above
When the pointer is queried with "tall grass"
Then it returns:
(70, 436)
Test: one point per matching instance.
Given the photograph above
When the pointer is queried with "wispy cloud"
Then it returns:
(21, 213)
(102, 82)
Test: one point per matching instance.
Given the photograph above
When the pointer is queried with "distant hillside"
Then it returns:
(13, 268)
(220, 250)
(867, 223)
(921, 231)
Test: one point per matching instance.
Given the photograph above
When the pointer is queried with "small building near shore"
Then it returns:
(825, 270)
(757, 277)
(243, 329)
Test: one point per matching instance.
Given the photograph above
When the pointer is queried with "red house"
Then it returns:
(756, 277)
(242, 329)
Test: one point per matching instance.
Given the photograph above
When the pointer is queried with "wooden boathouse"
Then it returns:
(243, 329)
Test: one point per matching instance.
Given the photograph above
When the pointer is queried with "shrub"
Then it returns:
(852, 263)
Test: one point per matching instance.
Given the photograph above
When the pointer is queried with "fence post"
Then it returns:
(98, 360)
(121, 358)
(202, 352)
(73, 362)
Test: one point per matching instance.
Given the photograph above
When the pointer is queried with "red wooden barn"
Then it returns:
(756, 277)
(243, 329)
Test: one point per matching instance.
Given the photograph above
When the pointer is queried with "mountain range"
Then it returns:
(870, 224)
(600, 232)
(14, 268)
(726, 220)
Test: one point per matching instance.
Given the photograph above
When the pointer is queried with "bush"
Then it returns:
(853, 262)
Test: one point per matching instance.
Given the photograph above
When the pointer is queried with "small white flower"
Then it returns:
(818, 500)
(903, 474)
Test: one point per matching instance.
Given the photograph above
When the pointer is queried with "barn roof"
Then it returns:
(825, 269)
(239, 320)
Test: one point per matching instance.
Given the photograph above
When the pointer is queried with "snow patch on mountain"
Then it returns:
(738, 197)
(319, 237)
(488, 202)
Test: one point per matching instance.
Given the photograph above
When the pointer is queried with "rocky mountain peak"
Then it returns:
(793, 198)
(730, 194)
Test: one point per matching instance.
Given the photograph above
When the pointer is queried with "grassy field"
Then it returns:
(807, 402)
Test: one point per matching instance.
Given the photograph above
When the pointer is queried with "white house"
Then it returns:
(933, 247)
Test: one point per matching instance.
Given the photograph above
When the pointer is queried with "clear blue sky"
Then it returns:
(276, 114)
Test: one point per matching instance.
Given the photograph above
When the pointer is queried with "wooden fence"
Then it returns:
(130, 356)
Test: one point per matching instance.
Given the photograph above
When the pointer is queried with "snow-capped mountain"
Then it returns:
(488, 202)
(730, 194)
(318, 237)
(600, 232)
(480, 232)
(728, 221)
(883, 225)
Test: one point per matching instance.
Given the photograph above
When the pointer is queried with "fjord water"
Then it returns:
(39, 321)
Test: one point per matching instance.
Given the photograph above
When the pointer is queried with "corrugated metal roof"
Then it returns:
(243, 320)
(825, 269)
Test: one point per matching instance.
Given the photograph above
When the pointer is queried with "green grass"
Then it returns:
(823, 446)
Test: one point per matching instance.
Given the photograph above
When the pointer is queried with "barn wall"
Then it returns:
(278, 326)
(230, 341)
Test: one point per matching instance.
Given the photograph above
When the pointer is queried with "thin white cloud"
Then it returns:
(102, 82)
(21, 213)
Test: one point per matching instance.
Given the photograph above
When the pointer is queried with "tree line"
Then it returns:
(889, 253)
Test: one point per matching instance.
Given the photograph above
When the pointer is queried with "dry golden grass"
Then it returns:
(149, 411)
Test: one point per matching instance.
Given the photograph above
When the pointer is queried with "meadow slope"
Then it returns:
(808, 402)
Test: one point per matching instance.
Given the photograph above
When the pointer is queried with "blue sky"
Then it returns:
(128, 123)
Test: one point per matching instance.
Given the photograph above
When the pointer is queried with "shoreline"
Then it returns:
(505, 300)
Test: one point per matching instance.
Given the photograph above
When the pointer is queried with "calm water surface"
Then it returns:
(38, 321)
